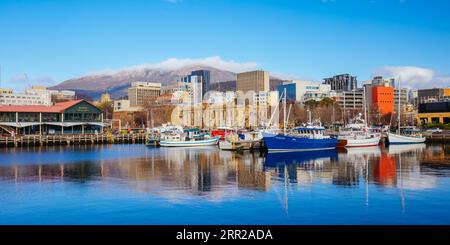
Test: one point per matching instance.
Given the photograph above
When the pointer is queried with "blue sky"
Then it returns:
(48, 41)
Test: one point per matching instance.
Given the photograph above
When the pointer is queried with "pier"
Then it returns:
(443, 137)
(72, 139)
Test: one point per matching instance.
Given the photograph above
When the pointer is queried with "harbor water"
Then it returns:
(135, 184)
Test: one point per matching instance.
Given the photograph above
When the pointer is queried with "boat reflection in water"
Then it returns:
(207, 186)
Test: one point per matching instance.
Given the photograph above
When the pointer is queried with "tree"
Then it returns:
(107, 108)
(311, 104)
(327, 102)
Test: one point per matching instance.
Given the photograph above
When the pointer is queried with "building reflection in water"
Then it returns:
(202, 171)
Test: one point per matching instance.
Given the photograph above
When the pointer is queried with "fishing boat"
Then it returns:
(237, 141)
(358, 134)
(187, 138)
(407, 135)
(152, 137)
(309, 138)
(222, 132)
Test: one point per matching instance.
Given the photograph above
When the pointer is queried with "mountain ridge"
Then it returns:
(117, 83)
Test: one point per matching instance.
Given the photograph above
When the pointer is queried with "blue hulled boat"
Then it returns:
(307, 139)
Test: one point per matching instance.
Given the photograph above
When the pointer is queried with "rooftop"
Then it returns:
(57, 108)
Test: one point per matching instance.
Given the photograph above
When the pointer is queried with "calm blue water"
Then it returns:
(133, 184)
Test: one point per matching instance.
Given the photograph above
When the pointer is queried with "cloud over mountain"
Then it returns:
(177, 63)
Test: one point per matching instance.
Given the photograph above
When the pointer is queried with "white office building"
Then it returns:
(8, 97)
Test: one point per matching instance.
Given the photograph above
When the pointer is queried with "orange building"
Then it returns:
(383, 99)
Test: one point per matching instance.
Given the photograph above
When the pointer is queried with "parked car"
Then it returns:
(434, 130)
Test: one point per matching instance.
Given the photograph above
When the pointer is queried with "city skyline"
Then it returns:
(48, 42)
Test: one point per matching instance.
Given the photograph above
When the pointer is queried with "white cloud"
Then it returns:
(415, 77)
(176, 63)
(22, 81)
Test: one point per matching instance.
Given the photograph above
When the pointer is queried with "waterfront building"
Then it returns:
(253, 81)
(125, 115)
(71, 117)
(121, 105)
(350, 100)
(227, 109)
(343, 82)
(382, 97)
(141, 93)
(404, 98)
(302, 91)
(434, 112)
(381, 100)
(317, 95)
(8, 97)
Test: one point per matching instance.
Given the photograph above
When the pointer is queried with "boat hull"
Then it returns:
(196, 143)
(284, 143)
(402, 139)
(368, 142)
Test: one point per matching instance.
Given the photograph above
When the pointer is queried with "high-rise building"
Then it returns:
(191, 85)
(141, 93)
(257, 81)
(343, 82)
(206, 79)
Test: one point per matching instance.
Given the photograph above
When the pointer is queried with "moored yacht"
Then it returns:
(187, 138)
(406, 135)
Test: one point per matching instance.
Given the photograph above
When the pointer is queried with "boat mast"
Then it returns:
(276, 108)
(309, 117)
(284, 111)
(365, 106)
(398, 110)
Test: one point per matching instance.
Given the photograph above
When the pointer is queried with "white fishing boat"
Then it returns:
(187, 138)
(358, 134)
(408, 135)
